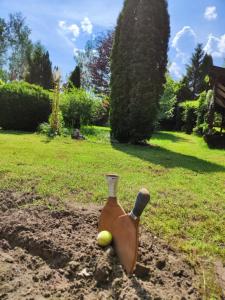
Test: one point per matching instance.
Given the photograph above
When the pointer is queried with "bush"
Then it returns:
(76, 106)
(45, 128)
(100, 112)
(189, 115)
(3, 75)
(215, 141)
(202, 112)
(167, 105)
(23, 106)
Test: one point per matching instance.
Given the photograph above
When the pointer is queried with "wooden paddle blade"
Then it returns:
(125, 232)
(111, 211)
(125, 238)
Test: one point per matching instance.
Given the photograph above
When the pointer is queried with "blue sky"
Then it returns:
(64, 26)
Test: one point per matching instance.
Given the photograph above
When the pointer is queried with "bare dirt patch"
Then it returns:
(220, 272)
(52, 254)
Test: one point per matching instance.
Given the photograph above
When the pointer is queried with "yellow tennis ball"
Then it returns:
(104, 238)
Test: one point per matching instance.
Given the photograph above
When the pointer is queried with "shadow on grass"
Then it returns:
(168, 137)
(169, 159)
(47, 139)
(14, 132)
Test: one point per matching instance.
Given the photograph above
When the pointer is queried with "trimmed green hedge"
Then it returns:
(23, 106)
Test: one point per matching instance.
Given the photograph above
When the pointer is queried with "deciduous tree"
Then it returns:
(100, 63)
(3, 41)
(20, 44)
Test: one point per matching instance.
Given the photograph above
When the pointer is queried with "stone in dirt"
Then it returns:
(161, 264)
(53, 254)
(142, 271)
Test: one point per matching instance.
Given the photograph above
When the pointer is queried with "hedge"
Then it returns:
(23, 106)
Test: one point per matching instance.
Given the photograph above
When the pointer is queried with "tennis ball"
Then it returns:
(104, 238)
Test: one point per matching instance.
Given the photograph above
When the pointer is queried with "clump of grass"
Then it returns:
(96, 134)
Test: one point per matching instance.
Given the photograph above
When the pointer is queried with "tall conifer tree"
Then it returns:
(47, 79)
(74, 79)
(139, 60)
(197, 70)
(40, 67)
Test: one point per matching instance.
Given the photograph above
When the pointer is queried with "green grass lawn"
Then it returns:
(185, 178)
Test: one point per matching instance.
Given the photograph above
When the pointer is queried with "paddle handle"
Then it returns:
(142, 200)
(112, 180)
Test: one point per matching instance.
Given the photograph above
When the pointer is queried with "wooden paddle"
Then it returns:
(112, 210)
(125, 232)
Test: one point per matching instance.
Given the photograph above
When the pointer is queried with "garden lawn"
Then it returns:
(185, 178)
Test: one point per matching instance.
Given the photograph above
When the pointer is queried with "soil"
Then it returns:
(52, 254)
(220, 272)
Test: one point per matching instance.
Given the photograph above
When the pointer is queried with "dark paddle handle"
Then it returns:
(142, 200)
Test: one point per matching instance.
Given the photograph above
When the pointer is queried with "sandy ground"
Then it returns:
(52, 254)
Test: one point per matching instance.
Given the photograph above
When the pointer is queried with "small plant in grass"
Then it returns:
(56, 118)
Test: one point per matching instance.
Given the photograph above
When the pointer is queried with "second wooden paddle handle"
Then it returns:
(142, 200)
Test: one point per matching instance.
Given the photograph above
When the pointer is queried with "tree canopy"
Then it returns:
(197, 70)
(75, 78)
(40, 67)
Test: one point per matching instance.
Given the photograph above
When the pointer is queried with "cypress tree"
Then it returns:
(139, 60)
(47, 79)
(74, 79)
(34, 74)
(120, 72)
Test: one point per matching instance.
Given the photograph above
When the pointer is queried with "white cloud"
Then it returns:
(210, 13)
(175, 70)
(73, 28)
(62, 24)
(86, 25)
(186, 30)
(221, 45)
(183, 42)
(215, 45)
